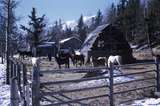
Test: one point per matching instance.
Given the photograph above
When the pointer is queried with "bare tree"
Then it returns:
(9, 18)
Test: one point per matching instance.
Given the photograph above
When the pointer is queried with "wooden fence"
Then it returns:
(19, 83)
(28, 91)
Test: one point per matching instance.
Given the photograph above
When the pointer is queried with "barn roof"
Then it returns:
(49, 43)
(74, 42)
(70, 38)
(91, 38)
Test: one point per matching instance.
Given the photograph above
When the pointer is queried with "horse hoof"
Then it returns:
(41, 75)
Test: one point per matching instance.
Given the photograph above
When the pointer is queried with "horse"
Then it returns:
(117, 59)
(78, 58)
(24, 53)
(63, 57)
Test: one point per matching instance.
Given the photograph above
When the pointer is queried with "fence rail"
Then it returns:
(31, 94)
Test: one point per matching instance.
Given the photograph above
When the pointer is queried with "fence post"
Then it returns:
(24, 70)
(35, 83)
(19, 75)
(111, 85)
(12, 68)
(157, 74)
(15, 69)
(14, 92)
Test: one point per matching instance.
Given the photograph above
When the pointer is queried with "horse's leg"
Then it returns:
(68, 63)
(80, 62)
(59, 66)
(83, 60)
(119, 61)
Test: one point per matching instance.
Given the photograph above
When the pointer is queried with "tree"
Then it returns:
(153, 19)
(36, 28)
(82, 29)
(135, 26)
(9, 24)
(68, 32)
(98, 18)
(120, 21)
(56, 32)
(112, 15)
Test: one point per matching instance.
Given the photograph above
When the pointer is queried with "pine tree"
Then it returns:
(68, 32)
(153, 19)
(120, 20)
(112, 15)
(82, 28)
(36, 28)
(98, 18)
(136, 25)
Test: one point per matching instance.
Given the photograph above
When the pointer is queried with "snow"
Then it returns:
(99, 82)
(146, 102)
(73, 23)
(4, 89)
(77, 52)
(70, 38)
(34, 61)
(16, 56)
(64, 40)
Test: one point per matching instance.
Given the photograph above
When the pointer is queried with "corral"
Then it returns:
(47, 85)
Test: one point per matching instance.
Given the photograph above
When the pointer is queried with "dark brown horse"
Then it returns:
(24, 53)
(63, 57)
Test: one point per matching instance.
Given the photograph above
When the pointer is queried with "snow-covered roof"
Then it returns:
(45, 45)
(64, 40)
(91, 38)
(67, 39)
(49, 42)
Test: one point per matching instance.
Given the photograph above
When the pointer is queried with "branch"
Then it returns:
(26, 29)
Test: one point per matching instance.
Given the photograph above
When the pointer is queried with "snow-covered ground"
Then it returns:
(4, 89)
(146, 102)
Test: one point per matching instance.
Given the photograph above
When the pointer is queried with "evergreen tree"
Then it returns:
(82, 28)
(68, 32)
(36, 28)
(111, 17)
(56, 32)
(98, 18)
(135, 26)
(120, 21)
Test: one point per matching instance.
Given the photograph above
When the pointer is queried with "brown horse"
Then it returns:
(63, 57)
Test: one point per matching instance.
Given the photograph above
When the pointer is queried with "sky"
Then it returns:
(61, 9)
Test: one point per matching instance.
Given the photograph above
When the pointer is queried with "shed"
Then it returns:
(47, 49)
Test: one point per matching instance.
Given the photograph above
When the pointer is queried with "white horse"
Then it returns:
(117, 59)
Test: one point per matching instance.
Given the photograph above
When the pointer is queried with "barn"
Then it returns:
(73, 42)
(107, 40)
